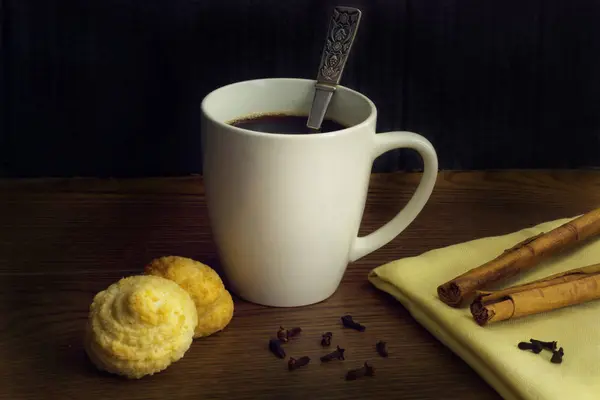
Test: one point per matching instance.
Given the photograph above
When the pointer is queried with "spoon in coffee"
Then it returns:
(340, 36)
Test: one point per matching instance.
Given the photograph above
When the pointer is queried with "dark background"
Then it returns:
(112, 88)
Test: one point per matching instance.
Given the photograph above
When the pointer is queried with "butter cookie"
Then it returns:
(214, 304)
(139, 326)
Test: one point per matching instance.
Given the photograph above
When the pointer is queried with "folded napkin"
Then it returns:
(492, 349)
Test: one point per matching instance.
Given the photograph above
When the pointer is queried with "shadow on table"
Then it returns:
(42, 333)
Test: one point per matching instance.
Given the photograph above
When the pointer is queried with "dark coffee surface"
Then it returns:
(284, 124)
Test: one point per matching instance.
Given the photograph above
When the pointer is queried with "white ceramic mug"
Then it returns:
(285, 210)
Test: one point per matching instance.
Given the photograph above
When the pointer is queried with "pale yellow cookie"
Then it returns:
(139, 326)
(214, 304)
(215, 316)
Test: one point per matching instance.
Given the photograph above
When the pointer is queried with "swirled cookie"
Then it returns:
(139, 326)
(214, 304)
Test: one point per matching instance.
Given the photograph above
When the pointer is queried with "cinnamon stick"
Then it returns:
(561, 277)
(557, 291)
(523, 256)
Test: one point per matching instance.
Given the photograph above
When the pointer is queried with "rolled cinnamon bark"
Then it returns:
(523, 256)
(562, 277)
(557, 291)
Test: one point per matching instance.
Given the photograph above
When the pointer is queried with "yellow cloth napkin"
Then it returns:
(492, 350)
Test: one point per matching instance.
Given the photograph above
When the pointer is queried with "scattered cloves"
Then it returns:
(534, 347)
(546, 345)
(284, 335)
(557, 356)
(338, 354)
(349, 322)
(381, 347)
(294, 364)
(275, 348)
(366, 370)
(326, 339)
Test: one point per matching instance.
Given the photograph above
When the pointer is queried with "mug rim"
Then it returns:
(366, 122)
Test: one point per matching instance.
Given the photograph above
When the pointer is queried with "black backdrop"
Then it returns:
(112, 87)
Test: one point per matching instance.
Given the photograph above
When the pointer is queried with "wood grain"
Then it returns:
(63, 240)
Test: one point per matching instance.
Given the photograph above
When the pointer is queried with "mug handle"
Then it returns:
(385, 142)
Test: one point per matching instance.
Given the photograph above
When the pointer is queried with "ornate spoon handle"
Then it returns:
(340, 37)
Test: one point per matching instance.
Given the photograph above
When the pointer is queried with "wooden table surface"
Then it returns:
(62, 241)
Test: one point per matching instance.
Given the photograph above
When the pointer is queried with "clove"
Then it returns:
(295, 364)
(326, 339)
(294, 332)
(557, 356)
(366, 370)
(284, 335)
(275, 348)
(338, 354)
(535, 347)
(349, 322)
(546, 345)
(382, 348)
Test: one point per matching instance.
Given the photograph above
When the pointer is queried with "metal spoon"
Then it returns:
(340, 36)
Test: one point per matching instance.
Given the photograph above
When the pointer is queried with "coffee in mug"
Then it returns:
(285, 124)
